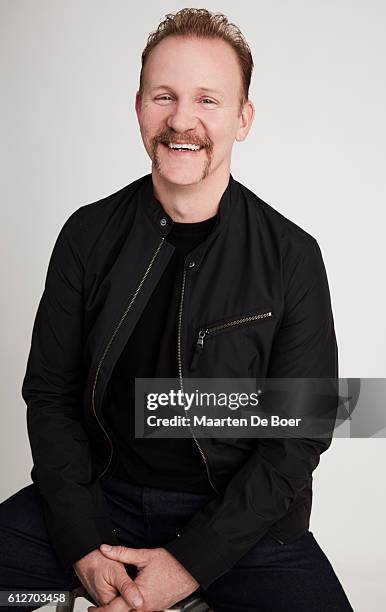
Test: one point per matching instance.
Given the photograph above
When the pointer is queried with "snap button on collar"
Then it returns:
(163, 222)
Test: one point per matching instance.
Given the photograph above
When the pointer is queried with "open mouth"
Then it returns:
(182, 148)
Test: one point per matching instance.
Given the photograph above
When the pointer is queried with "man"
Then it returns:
(136, 286)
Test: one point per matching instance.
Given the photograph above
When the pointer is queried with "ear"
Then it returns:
(137, 104)
(245, 121)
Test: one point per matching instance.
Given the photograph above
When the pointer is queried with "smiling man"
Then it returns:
(182, 273)
(190, 111)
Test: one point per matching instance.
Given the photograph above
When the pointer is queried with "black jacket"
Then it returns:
(106, 261)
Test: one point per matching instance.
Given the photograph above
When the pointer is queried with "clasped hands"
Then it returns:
(161, 580)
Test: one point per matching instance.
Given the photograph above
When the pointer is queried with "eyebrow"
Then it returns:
(201, 89)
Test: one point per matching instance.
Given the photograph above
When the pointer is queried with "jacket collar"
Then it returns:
(163, 223)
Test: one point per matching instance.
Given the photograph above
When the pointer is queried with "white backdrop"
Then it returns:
(316, 152)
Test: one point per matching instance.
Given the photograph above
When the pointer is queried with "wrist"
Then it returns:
(91, 556)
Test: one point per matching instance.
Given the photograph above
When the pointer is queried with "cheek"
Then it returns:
(221, 130)
(149, 126)
(153, 119)
(222, 140)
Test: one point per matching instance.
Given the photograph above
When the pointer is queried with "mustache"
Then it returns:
(167, 136)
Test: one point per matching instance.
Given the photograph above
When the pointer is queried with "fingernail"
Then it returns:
(106, 547)
(137, 600)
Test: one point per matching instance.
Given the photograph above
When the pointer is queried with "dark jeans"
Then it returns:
(271, 577)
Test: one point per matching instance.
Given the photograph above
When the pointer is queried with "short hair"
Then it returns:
(202, 23)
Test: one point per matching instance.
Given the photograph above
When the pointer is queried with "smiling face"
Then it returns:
(189, 115)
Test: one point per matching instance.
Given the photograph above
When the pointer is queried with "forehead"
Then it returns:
(193, 62)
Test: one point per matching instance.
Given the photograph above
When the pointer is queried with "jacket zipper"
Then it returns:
(179, 353)
(219, 328)
(108, 345)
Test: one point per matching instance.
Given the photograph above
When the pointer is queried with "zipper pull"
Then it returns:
(199, 348)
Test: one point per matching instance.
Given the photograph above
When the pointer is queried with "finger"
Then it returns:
(136, 556)
(129, 591)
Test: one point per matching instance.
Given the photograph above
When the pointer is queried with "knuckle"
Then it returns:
(130, 594)
(127, 586)
(143, 553)
(101, 594)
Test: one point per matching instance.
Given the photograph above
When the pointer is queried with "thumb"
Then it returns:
(135, 556)
(127, 588)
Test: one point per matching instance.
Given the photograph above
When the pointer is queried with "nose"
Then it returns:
(182, 117)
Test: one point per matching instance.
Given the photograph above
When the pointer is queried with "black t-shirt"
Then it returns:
(151, 351)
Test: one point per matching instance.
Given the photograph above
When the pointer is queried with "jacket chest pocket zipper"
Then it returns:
(215, 329)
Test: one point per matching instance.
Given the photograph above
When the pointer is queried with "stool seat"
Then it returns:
(190, 604)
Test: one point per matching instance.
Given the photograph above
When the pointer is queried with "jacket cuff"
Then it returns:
(202, 553)
(77, 540)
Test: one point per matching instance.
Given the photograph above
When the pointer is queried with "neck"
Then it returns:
(190, 203)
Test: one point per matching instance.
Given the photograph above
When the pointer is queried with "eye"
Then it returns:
(164, 99)
(208, 100)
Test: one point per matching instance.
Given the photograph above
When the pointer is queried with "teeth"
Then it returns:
(190, 147)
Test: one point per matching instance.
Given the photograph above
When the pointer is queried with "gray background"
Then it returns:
(316, 152)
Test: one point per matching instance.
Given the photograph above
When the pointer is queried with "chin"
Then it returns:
(181, 177)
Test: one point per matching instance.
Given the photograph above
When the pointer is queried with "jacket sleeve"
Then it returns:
(72, 501)
(263, 490)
